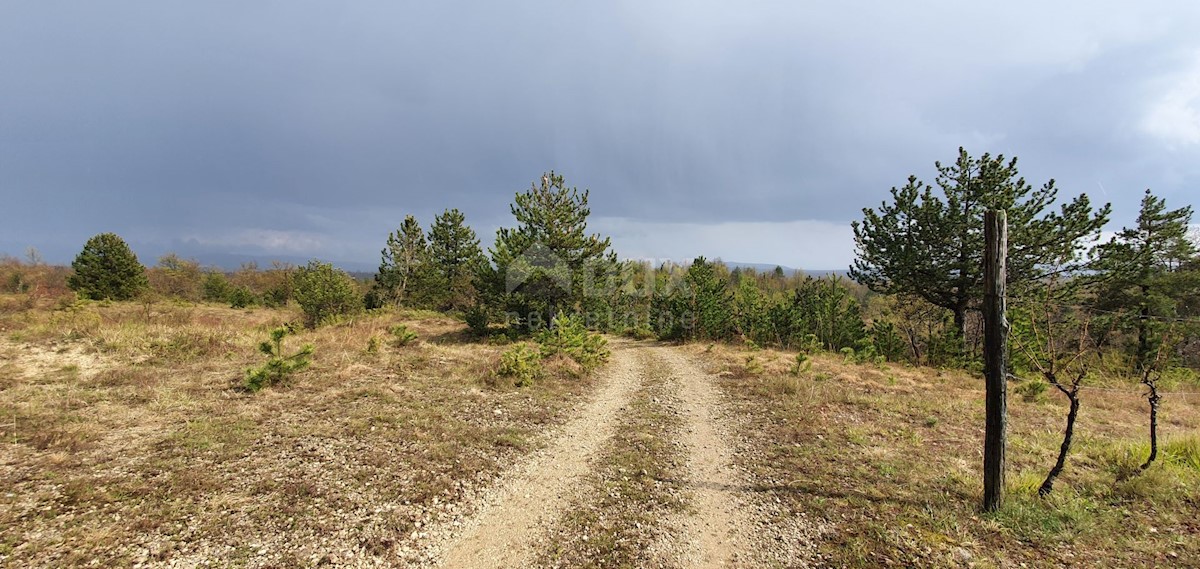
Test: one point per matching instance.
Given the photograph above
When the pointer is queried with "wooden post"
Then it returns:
(995, 355)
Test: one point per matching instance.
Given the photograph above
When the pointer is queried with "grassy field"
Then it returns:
(889, 459)
(125, 437)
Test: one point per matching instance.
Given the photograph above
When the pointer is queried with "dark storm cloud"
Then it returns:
(304, 127)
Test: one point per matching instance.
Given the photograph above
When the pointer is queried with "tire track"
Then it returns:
(533, 496)
(714, 536)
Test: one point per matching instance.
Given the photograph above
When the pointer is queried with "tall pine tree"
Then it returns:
(1149, 273)
(457, 258)
(406, 275)
(931, 246)
(548, 262)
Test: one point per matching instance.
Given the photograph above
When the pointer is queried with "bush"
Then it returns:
(107, 269)
(241, 297)
(568, 336)
(477, 319)
(753, 366)
(216, 287)
(401, 335)
(178, 278)
(522, 363)
(324, 292)
(641, 332)
(1033, 390)
(278, 366)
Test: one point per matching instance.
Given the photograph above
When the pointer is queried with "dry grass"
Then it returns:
(125, 437)
(890, 458)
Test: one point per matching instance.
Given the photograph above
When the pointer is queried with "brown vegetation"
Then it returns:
(125, 436)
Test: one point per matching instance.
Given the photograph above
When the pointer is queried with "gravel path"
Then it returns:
(534, 495)
(713, 535)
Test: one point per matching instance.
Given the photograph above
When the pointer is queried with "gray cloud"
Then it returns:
(284, 126)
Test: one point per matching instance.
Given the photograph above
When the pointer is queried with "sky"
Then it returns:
(752, 131)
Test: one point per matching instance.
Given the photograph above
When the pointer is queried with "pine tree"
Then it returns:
(456, 257)
(406, 274)
(548, 263)
(708, 302)
(107, 268)
(1149, 272)
(932, 247)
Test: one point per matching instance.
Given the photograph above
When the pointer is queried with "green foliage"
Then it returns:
(521, 362)
(699, 307)
(278, 366)
(823, 311)
(641, 332)
(754, 317)
(709, 303)
(324, 292)
(241, 297)
(216, 287)
(848, 355)
(548, 263)
(1032, 390)
(457, 258)
(477, 319)
(887, 341)
(107, 269)
(803, 364)
(401, 335)
(753, 366)
(176, 277)
(932, 247)
(1150, 275)
(406, 274)
(568, 336)
(17, 283)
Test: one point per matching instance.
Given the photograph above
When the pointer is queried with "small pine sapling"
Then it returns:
(522, 363)
(402, 336)
(803, 364)
(278, 366)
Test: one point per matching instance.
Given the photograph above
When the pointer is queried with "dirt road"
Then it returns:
(709, 532)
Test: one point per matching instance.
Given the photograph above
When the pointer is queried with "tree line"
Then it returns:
(912, 295)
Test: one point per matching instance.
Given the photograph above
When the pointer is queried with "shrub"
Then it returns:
(568, 336)
(278, 366)
(216, 287)
(1032, 390)
(241, 297)
(522, 363)
(401, 335)
(641, 332)
(887, 341)
(753, 366)
(477, 319)
(324, 292)
(107, 269)
(177, 278)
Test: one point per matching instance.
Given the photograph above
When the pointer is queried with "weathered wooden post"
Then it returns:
(995, 355)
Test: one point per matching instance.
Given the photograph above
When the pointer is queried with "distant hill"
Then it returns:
(234, 261)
